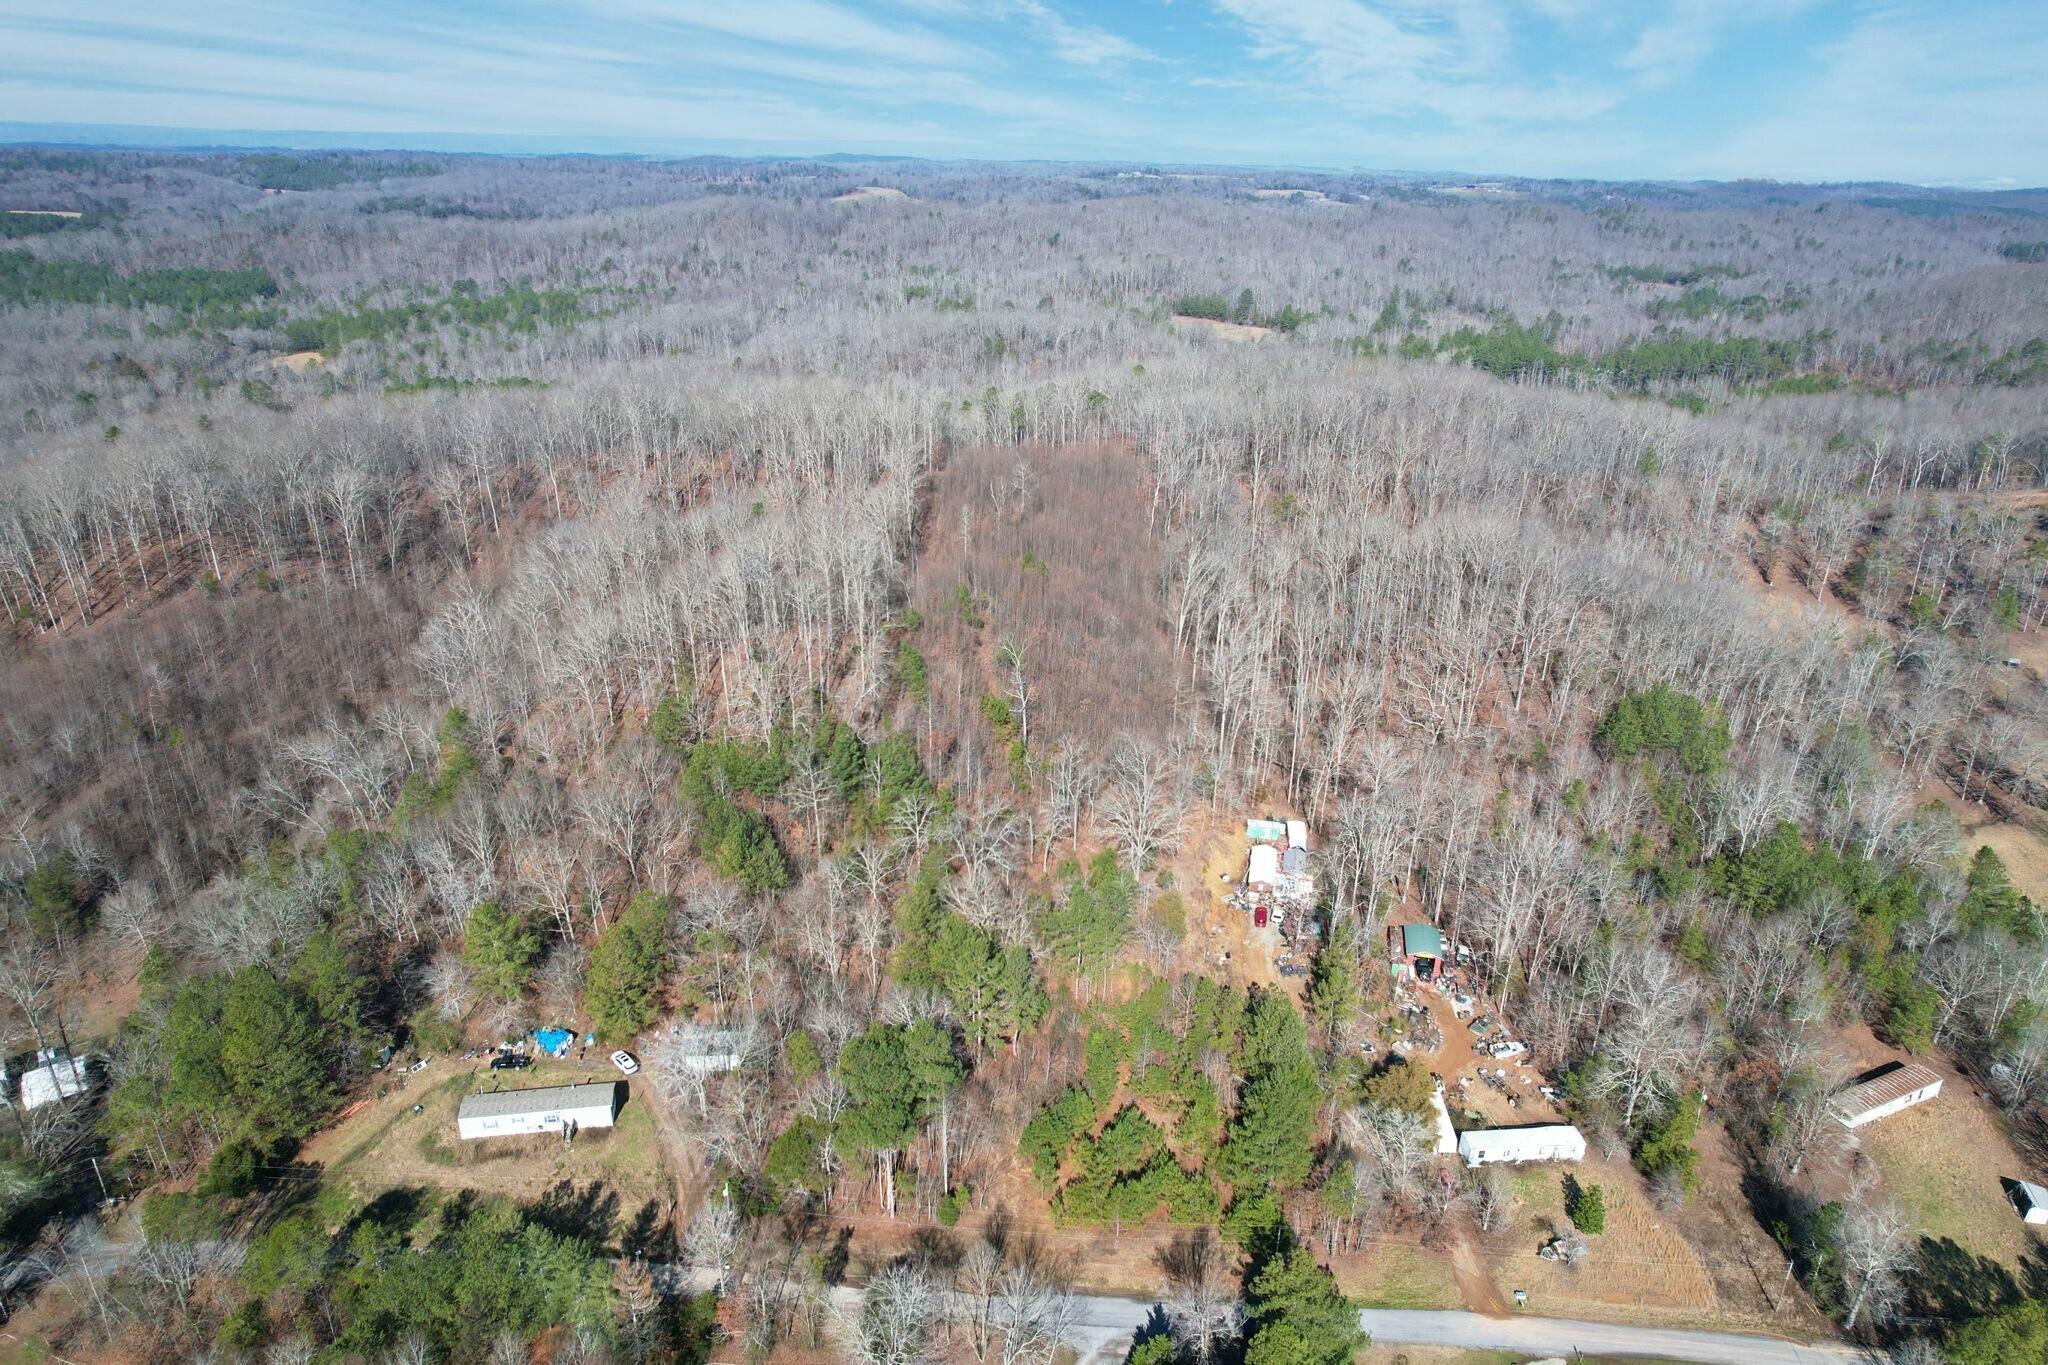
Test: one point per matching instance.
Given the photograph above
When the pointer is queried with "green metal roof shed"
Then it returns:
(1422, 940)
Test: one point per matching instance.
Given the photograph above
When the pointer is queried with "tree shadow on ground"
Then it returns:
(585, 1213)
(1951, 1282)
(400, 1209)
(650, 1233)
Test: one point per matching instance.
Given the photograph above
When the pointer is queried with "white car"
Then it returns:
(625, 1062)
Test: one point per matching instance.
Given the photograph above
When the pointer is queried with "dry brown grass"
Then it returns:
(1640, 1267)
(1943, 1162)
(384, 1145)
(1067, 570)
(1222, 331)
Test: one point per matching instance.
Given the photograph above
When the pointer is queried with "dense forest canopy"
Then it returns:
(679, 602)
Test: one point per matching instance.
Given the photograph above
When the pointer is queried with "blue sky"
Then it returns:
(1951, 93)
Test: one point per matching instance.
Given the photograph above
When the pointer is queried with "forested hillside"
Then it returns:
(453, 596)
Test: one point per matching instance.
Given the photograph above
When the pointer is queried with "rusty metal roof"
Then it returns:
(1879, 1091)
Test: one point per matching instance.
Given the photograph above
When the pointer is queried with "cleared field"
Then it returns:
(2024, 851)
(1223, 331)
(384, 1145)
(1398, 1276)
(868, 193)
(1640, 1268)
(1943, 1162)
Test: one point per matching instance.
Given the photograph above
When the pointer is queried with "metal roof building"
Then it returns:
(1265, 866)
(548, 1109)
(1887, 1093)
(711, 1049)
(58, 1078)
(1422, 940)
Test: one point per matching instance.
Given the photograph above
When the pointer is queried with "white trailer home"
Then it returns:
(549, 1109)
(1886, 1094)
(1543, 1142)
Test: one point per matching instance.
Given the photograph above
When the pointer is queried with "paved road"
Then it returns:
(1564, 1337)
(1104, 1326)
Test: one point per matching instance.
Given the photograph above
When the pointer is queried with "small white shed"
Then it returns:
(1543, 1142)
(707, 1050)
(2031, 1201)
(1297, 834)
(548, 1109)
(59, 1077)
(1265, 866)
(1886, 1094)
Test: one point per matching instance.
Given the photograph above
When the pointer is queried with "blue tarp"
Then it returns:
(554, 1041)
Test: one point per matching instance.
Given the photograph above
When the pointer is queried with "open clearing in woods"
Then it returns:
(1943, 1162)
(1223, 331)
(869, 193)
(384, 1145)
(1640, 1269)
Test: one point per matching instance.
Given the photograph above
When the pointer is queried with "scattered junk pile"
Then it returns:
(1421, 961)
(1279, 889)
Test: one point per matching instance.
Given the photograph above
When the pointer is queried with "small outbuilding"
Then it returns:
(1887, 1092)
(57, 1075)
(1297, 835)
(1417, 950)
(1513, 1146)
(1266, 831)
(706, 1050)
(548, 1109)
(2031, 1201)
(1264, 871)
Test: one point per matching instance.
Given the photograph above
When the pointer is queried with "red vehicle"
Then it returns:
(1259, 916)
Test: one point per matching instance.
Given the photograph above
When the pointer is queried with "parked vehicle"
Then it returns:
(625, 1062)
(510, 1061)
(1293, 970)
(1484, 1025)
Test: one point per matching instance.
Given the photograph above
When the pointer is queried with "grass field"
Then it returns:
(1943, 1162)
(618, 1173)
(1397, 1276)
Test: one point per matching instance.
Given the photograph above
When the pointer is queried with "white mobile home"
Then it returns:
(1886, 1094)
(1544, 1142)
(549, 1109)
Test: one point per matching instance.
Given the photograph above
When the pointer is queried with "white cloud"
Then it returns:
(1081, 44)
(798, 23)
(1930, 93)
(1692, 30)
